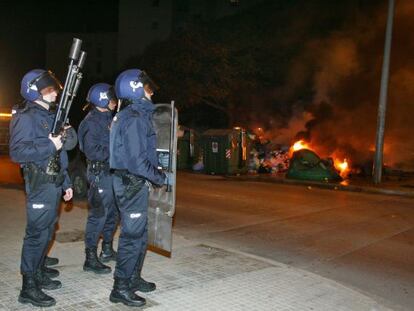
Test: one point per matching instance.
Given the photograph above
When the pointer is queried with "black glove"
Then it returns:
(70, 138)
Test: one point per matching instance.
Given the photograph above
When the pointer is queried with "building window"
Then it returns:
(154, 25)
(234, 2)
(156, 3)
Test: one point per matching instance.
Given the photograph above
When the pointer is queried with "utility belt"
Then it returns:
(133, 183)
(36, 176)
(96, 167)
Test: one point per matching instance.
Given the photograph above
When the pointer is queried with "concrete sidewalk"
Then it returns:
(197, 277)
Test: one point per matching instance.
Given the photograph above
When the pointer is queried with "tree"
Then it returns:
(241, 64)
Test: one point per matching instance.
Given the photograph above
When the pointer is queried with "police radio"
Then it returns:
(70, 89)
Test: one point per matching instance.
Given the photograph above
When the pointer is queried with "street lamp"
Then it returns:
(382, 105)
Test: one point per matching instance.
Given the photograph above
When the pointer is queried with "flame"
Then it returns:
(300, 144)
(342, 167)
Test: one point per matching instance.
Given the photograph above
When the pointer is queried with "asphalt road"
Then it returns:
(364, 241)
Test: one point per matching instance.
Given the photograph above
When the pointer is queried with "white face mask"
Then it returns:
(148, 95)
(50, 98)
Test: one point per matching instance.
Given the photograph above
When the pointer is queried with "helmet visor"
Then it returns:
(146, 80)
(46, 79)
(111, 94)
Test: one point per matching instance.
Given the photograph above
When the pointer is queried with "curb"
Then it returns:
(329, 186)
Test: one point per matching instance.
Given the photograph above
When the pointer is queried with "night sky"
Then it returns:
(24, 25)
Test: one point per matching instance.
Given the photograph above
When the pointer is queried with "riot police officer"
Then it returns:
(44, 164)
(134, 160)
(93, 134)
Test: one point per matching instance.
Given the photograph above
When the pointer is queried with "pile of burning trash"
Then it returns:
(268, 158)
(298, 161)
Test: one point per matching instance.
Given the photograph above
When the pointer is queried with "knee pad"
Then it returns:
(135, 225)
(40, 216)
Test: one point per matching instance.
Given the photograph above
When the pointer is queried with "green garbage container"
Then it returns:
(187, 148)
(307, 165)
(225, 151)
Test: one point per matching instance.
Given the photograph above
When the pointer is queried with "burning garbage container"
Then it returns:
(225, 151)
(307, 165)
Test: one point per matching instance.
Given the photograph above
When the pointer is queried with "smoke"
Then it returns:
(345, 70)
(338, 60)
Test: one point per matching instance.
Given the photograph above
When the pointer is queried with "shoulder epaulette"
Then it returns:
(20, 107)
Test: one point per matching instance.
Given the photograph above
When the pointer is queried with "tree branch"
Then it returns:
(214, 105)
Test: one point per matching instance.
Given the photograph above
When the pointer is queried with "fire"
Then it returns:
(300, 144)
(342, 167)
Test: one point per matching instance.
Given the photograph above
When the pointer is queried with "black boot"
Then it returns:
(51, 261)
(93, 264)
(137, 282)
(31, 293)
(45, 282)
(50, 272)
(107, 253)
(122, 293)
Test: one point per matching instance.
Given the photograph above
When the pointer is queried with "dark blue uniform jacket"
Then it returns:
(29, 142)
(133, 142)
(93, 135)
